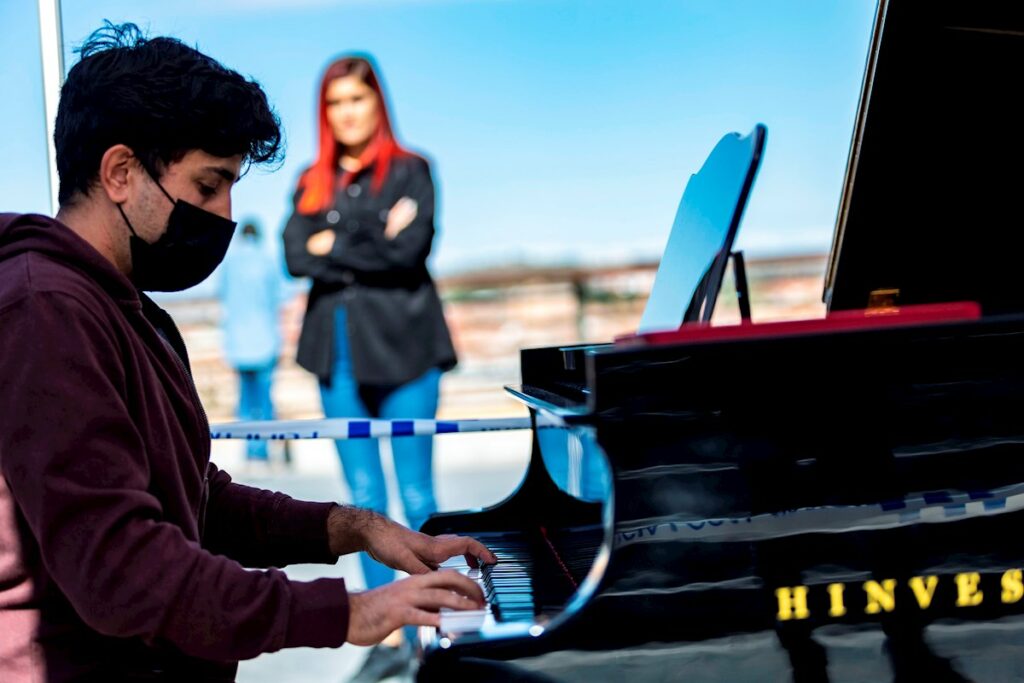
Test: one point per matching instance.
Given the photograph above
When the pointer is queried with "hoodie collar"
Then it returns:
(23, 233)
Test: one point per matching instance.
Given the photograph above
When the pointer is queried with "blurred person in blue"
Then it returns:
(251, 294)
(374, 331)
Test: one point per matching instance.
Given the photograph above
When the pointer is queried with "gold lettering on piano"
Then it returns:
(938, 593)
(1013, 586)
(835, 596)
(792, 603)
(924, 589)
(967, 592)
(881, 596)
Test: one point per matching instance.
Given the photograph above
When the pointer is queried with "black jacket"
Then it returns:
(396, 328)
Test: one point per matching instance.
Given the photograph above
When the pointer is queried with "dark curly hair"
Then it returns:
(162, 99)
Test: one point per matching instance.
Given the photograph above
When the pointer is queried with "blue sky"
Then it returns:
(560, 129)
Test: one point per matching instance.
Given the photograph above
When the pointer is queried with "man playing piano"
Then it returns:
(121, 546)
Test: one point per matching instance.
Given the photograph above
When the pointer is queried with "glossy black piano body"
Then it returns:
(812, 501)
(725, 492)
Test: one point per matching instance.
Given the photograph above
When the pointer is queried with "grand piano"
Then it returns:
(822, 500)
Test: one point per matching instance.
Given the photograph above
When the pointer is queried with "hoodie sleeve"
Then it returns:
(79, 478)
(262, 528)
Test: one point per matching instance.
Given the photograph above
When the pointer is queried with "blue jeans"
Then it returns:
(360, 458)
(575, 462)
(254, 403)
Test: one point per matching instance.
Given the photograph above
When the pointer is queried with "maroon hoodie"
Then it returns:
(121, 546)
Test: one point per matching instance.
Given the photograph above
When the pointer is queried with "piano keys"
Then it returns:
(540, 570)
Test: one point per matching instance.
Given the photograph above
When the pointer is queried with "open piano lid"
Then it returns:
(930, 204)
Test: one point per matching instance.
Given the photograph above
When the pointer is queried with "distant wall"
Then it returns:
(492, 316)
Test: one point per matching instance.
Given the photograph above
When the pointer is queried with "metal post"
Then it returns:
(739, 271)
(51, 43)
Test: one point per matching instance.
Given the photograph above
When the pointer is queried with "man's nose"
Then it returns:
(224, 211)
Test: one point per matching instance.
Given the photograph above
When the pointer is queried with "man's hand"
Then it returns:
(414, 601)
(351, 529)
(321, 243)
(416, 553)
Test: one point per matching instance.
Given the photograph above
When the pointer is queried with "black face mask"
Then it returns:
(192, 247)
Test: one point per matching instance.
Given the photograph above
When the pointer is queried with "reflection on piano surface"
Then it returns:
(818, 500)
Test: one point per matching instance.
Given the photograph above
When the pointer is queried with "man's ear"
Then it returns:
(118, 170)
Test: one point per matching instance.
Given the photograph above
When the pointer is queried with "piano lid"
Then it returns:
(930, 203)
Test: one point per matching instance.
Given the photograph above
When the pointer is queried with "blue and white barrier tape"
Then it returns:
(927, 508)
(344, 428)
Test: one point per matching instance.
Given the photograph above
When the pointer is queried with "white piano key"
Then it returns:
(455, 622)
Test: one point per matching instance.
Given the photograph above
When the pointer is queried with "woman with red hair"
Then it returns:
(374, 332)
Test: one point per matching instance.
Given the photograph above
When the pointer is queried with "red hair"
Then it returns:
(319, 180)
